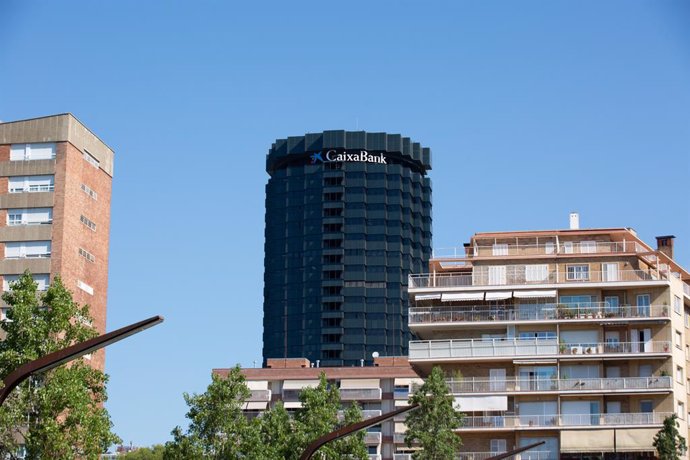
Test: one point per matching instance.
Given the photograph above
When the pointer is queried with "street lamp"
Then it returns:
(52, 360)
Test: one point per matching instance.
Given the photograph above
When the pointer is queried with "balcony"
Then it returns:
(528, 455)
(360, 394)
(564, 248)
(541, 312)
(510, 348)
(516, 275)
(570, 420)
(577, 385)
(366, 414)
(686, 289)
(260, 395)
(372, 437)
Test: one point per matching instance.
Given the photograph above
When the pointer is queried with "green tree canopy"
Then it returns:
(146, 453)
(668, 441)
(219, 430)
(60, 413)
(432, 424)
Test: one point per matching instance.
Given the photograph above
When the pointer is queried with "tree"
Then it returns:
(218, 429)
(433, 422)
(146, 453)
(668, 441)
(59, 413)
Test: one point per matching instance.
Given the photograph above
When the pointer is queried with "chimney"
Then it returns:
(574, 221)
(665, 244)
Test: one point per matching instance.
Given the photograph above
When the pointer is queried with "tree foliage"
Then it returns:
(668, 442)
(58, 414)
(432, 424)
(146, 453)
(219, 430)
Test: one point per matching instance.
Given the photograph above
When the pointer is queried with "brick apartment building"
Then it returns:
(55, 188)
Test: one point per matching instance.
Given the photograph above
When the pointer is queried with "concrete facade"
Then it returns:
(79, 203)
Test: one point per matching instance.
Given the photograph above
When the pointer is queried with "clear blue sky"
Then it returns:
(531, 109)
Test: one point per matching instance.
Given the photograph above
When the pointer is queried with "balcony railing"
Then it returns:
(372, 437)
(566, 248)
(517, 275)
(528, 455)
(540, 312)
(479, 348)
(517, 384)
(359, 394)
(522, 421)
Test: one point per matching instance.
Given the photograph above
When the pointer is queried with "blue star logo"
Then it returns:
(316, 156)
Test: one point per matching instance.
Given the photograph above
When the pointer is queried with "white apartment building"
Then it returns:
(578, 338)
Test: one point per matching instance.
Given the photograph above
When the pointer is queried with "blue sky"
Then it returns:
(531, 109)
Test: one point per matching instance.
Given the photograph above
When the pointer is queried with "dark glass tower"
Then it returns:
(348, 217)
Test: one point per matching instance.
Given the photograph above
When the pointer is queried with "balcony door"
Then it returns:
(497, 275)
(641, 340)
(609, 272)
(643, 304)
(497, 379)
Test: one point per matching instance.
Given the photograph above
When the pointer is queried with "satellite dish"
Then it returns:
(375, 354)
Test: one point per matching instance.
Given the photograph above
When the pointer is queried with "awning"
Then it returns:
(401, 403)
(499, 295)
(407, 381)
(299, 384)
(534, 294)
(358, 384)
(292, 404)
(449, 297)
(427, 297)
(257, 384)
(253, 405)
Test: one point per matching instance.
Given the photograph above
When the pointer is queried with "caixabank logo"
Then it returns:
(362, 156)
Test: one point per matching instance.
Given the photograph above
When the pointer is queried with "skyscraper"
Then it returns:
(55, 184)
(348, 217)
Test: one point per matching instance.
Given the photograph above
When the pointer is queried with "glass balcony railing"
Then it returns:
(540, 312)
(563, 420)
(529, 455)
(517, 384)
(480, 348)
(518, 275)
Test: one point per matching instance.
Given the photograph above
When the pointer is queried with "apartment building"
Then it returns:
(55, 185)
(578, 338)
(381, 388)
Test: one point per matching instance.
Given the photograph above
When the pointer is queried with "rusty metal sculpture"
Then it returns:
(59, 357)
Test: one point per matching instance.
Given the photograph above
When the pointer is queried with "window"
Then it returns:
(89, 191)
(577, 300)
(21, 184)
(577, 272)
(498, 446)
(588, 246)
(568, 247)
(646, 406)
(88, 222)
(611, 304)
(679, 374)
(34, 216)
(23, 152)
(497, 275)
(687, 319)
(27, 249)
(541, 335)
(500, 249)
(677, 304)
(92, 160)
(679, 340)
(680, 410)
(84, 287)
(536, 273)
(549, 248)
(87, 255)
(41, 279)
